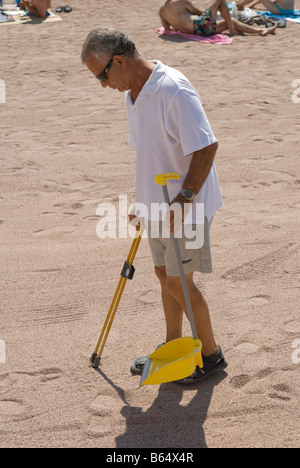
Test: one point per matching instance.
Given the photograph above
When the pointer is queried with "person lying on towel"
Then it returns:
(36, 7)
(183, 16)
(279, 7)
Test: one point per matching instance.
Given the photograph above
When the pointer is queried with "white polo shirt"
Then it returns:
(167, 124)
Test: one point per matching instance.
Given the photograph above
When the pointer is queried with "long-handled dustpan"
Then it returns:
(126, 274)
(177, 359)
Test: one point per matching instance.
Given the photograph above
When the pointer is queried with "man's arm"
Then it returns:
(224, 10)
(200, 167)
(192, 9)
(164, 22)
(199, 170)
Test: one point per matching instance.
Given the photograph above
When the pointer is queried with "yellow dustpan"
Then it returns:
(178, 358)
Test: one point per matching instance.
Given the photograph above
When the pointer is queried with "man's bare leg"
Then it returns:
(244, 28)
(172, 309)
(268, 4)
(174, 304)
(224, 10)
(241, 5)
(221, 5)
(200, 311)
(253, 4)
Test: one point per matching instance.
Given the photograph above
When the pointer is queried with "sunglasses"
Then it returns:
(103, 75)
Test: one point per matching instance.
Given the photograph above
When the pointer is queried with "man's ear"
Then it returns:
(120, 60)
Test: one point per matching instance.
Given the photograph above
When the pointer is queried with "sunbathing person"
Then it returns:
(183, 16)
(280, 7)
(36, 7)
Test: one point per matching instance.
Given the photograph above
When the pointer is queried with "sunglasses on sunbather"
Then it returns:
(103, 75)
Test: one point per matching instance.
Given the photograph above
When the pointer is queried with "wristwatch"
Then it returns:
(187, 194)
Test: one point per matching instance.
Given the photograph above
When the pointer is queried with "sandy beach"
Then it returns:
(63, 153)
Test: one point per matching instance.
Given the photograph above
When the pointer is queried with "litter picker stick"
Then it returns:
(162, 180)
(178, 358)
(126, 273)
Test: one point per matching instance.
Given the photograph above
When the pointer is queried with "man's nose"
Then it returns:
(104, 83)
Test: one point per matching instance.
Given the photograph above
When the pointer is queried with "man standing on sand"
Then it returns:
(170, 133)
(183, 16)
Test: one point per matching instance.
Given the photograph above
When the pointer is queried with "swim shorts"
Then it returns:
(285, 12)
(195, 254)
(205, 25)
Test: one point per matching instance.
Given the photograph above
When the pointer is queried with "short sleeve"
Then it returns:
(187, 122)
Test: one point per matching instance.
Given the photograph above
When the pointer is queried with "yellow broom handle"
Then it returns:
(118, 294)
(162, 178)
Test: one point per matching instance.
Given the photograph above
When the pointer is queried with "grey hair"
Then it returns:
(107, 41)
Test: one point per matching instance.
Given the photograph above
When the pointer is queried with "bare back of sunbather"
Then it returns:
(179, 15)
(37, 7)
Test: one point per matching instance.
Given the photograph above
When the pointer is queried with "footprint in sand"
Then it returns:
(55, 231)
(246, 348)
(103, 406)
(150, 297)
(11, 407)
(21, 382)
(104, 411)
(264, 373)
(48, 374)
(277, 176)
(260, 266)
(70, 209)
(53, 313)
(25, 379)
(25, 166)
(280, 392)
(259, 300)
(292, 326)
(239, 381)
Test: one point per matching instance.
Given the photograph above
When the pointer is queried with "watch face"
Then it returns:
(188, 194)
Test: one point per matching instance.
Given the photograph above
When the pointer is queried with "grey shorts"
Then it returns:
(193, 259)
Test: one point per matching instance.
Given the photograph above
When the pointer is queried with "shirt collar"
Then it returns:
(153, 84)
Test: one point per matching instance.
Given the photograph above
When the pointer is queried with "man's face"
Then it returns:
(115, 76)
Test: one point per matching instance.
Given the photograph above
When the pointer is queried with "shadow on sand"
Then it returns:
(168, 423)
